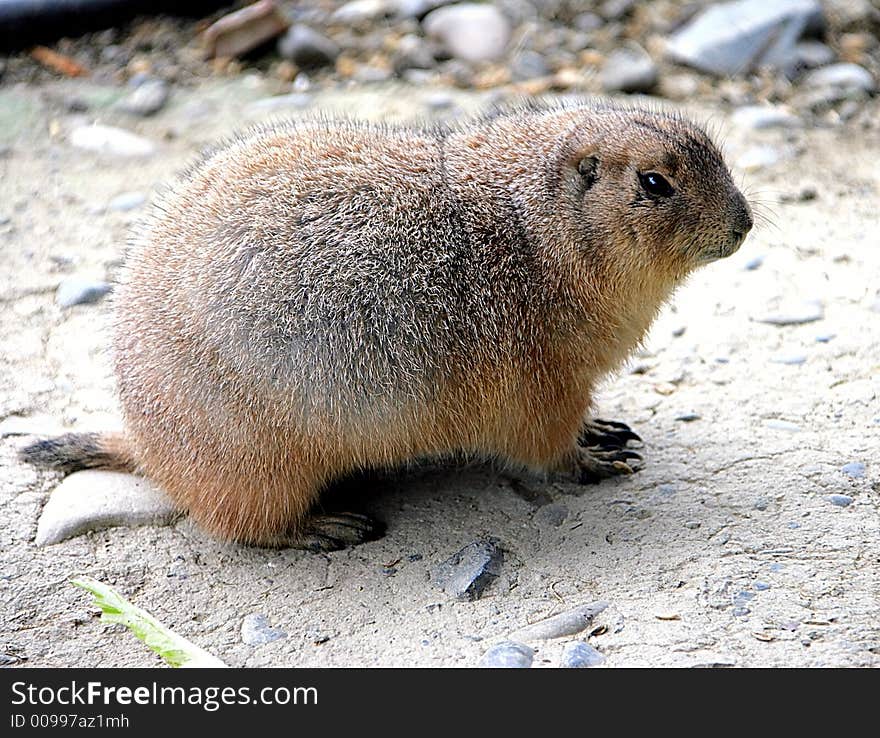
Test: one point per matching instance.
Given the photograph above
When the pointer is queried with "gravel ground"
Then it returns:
(750, 538)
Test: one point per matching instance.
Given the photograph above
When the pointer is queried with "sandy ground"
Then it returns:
(725, 550)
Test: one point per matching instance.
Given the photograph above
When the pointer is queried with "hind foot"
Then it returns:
(330, 532)
(602, 451)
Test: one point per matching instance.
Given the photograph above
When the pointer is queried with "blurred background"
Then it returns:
(821, 58)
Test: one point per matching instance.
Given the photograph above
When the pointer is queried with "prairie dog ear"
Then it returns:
(588, 169)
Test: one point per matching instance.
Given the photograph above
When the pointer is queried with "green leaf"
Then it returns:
(175, 649)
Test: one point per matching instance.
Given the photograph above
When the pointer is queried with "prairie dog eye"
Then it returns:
(655, 184)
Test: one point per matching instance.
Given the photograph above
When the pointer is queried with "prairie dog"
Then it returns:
(315, 298)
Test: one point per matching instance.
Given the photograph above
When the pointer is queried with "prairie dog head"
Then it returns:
(651, 188)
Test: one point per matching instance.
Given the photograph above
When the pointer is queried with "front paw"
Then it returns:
(606, 434)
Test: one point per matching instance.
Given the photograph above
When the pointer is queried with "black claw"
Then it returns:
(607, 434)
(336, 531)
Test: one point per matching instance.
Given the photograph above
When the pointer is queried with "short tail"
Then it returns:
(75, 451)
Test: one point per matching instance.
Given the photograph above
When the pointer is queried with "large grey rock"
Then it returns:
(94, 500)
(307, 48)
(469, 31)
(465, 574)
(629, 69)
(734, 38)
(111, 141)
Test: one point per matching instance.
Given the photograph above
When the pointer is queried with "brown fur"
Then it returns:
(316, 298)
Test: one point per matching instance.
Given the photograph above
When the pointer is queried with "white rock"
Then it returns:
(79, 291)
(111, 141)
(358, 11)
(469, 31)
(147, 99)
(843, 76)
(127, 201)
(255, 630)
(807, 311)
(93, 500)
(758, 157)
(758, 117)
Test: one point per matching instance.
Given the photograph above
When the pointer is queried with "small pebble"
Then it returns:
(741, 611)
(467, 573)
(667, 615)
(759, 117)
(789, 359)
(528, 65)
(807, 312)
(148, 98)
(256, 631)
(844, 76)
(783, 425)
(754, 263)
(855, 469)
(553, 514)
(358, 11)
(307, 48)
(580, 656)
(762, 503)
(758, 157)
(840, 500)
(762, 586)
(629, 69)
(692, 524)
(793, 525)
(127, 201)
(439, 101)
(508, 655)
(77, 291)
(825, 337)
(688, 417)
